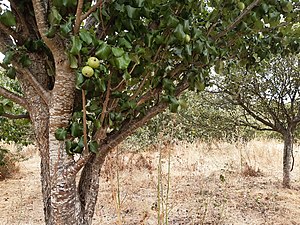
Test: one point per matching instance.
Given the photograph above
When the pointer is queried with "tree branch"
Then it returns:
(13, 97)
(14, 7)
(15, 117)
(5, 42)
(36, 85)
(91, 10)
(130, 126)
(127, 129)
(251, 113)
(86, 148)
(40, 16)
(237, 20)
(247, 124)
(78, 17)
(17, 37)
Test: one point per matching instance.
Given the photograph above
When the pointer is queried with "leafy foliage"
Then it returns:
(150, 50)
(269, 98)
(202, 116)
(18, 131)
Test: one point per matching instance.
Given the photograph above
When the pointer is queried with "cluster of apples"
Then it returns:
(92, 63)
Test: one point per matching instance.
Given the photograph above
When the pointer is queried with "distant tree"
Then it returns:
(92, 72)
(14, 121)
(269, 98)
(202, 116)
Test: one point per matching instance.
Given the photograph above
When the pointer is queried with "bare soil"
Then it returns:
(215, 183)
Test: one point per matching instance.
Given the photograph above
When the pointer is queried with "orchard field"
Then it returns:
(209, 183)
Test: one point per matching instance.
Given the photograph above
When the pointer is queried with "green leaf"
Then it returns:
(86, 36)
(51, 32)
(117, 52)
(81, 142)
(132, 12)
(126, 76)
(103, 52)
(8, 57)
(76, 129)
(25, 61)
(66, 27)
(288, 7)
(69, 147)
(219, 66)
(69, 3)
(188, 50)
(123, 61)
(122, 42)
(8, 19)
(101, 85)
(200, 86)
(54, 17)
(76, 45)
(93, 147)
(60, 134)
(172, 21)
(149, 39)
(186, 26)
(159, 39)
(73, 61)
(7, 105)
(79, 80)
(174, 104)
(11, 73)
(179, 33)
(78, 149)
(139, 3)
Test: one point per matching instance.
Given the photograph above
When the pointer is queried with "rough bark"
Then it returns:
(287, 158)
(63, 186)
(88, 188)
(39, 115)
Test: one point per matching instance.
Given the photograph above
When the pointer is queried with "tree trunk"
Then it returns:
(88, 188)
(287, 159)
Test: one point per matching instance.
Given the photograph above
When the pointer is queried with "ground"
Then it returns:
(215, 183)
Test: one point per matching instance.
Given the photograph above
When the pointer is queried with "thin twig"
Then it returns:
(91, 10)
(118, 86)
(15, 117)
(101, 18)
(237, 20)
(105, 103)
(140, 87)
(86, 149)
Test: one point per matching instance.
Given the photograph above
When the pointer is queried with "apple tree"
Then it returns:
(146, 53)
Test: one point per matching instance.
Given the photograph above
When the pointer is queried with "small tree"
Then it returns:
(146, 52)
(270, 100)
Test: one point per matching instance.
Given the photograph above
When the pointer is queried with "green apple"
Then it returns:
(87, 71)
(93, 62)
(187, 38)
(241, 6)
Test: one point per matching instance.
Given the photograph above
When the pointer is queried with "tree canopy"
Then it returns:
(92, 72)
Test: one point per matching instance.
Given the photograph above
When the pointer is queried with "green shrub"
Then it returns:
(8, 163)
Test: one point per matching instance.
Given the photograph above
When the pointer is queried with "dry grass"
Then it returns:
(210, 183)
